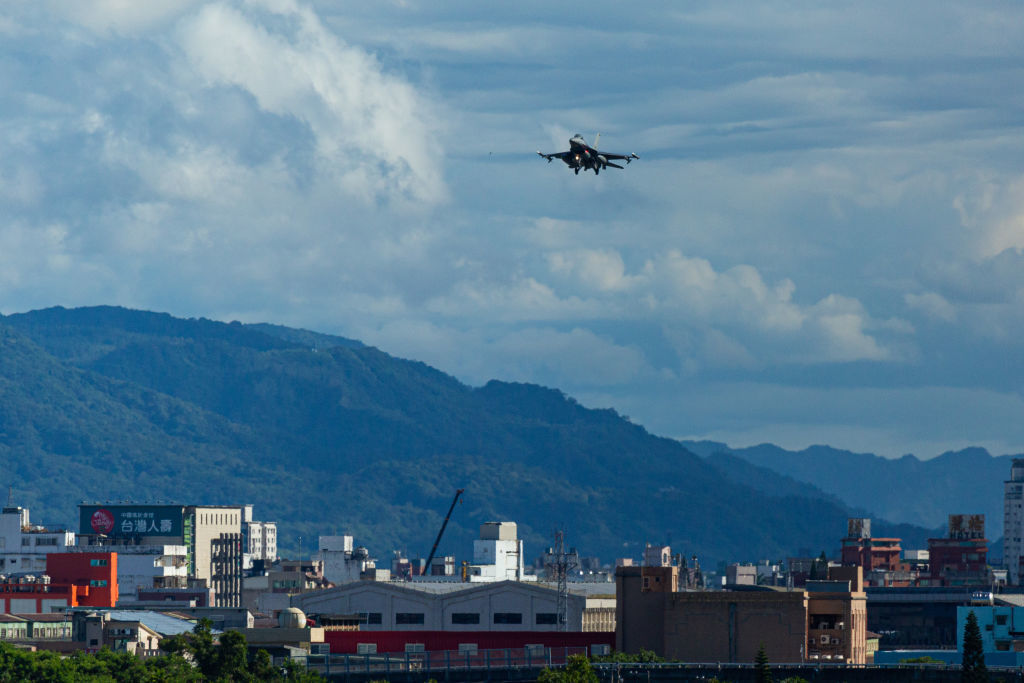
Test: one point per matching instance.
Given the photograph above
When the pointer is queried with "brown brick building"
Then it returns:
(825, 621)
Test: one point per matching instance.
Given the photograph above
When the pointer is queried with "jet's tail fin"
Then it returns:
(597, 141)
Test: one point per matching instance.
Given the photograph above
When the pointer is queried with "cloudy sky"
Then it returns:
(821, 243)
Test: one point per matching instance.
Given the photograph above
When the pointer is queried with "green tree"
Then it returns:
(972, 669)
(641, 656)
(233, 657)
(762, 671)
(577, 670)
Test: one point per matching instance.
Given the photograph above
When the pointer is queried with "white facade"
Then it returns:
(1013, 522)
(342, 562)
(657, 556)
(497, 554)
(261, 543)
(499, 606)
(24, 546)
(145, 567)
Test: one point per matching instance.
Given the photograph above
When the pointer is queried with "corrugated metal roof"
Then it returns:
(163, 624)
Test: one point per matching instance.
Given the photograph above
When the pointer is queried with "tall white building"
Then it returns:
(24, 546)
(497, 554)
(1013, 522)
(344, 563)
(260, 540)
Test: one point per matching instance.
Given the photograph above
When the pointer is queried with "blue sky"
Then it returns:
(821, 243)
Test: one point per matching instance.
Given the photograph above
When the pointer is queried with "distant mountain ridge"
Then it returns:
(327, 435)
(921, 492)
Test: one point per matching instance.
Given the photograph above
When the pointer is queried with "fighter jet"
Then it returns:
(583, 156)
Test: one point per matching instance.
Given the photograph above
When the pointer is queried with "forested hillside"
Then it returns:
(326, 435)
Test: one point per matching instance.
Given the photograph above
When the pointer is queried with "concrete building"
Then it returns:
(212, 536)
(837, 617)
(961, 559)
(1002, 636)
(24, 546)
(446, 606)
(918, 617)
(1013, 523)
(741, 575)
(137, 632)
(217, 551)
(497, 554)
(292, 631)
(657, 555)
(824, 621)
(343, 561)
(862, 549)
(141, 568)
(271, 591)
(259, 540)
(69, 580)
(50, 631)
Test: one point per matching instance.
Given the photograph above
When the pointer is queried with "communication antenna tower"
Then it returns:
(564, 562)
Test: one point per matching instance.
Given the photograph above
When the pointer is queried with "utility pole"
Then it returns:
(564, 562)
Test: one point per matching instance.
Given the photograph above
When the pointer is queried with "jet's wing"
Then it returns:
(627, 157)
(558, 155)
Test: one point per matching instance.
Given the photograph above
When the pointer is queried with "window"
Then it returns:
(26, 541)
(46, 541)
(370, 617)
(97, 563)
(408, 617)
(415, 647)
(1001, 619)
(465, 617)
(98, 583)
(366, 648)
(546, 618)
(508, 617)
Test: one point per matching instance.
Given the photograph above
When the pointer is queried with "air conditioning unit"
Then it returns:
(824, 640)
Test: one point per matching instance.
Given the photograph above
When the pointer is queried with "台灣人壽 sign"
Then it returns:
(131, 520)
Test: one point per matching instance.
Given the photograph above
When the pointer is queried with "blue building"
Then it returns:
(1002, 638)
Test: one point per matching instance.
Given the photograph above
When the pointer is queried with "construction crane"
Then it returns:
(441, 532)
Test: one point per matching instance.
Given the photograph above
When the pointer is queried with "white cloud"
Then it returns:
(809, 177)
(374, 132)
(932, 304)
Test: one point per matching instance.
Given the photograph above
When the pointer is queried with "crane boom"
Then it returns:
(441, 532)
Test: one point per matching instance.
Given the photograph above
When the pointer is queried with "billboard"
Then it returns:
(858, 527)
(131, 520)
(966, 527)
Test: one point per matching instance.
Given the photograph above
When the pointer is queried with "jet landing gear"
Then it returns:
(577, 170)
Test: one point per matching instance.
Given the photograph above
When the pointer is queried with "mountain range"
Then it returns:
(921, 492)
(327, 435)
